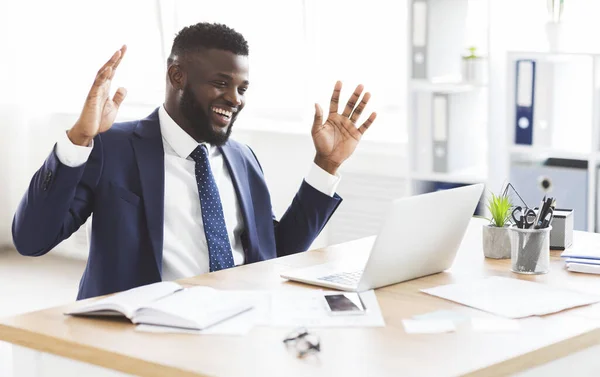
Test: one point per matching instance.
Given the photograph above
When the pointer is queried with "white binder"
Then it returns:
(423, 124)
(437, 38)
(542, 112)
(439, 117)
(553, 103)
(457, 121)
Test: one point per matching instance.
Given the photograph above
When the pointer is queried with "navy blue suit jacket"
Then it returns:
(122, 183)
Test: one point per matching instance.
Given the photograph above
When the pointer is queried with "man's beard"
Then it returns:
(199, 121)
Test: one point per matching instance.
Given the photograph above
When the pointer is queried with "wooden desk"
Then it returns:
(387, 351)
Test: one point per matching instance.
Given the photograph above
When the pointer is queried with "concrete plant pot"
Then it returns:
(496, 242)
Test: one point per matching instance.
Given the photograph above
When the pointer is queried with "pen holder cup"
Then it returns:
(530, 250)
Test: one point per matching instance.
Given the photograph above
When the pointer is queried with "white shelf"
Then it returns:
(551, 152)
(467, 176)
(443, 87)
(546, 55)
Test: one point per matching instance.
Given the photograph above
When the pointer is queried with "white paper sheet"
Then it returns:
(582, 260)
(429, 326)
(307, 308)
(494, 324)
(511, 298)
(450, 315)
(584, 268)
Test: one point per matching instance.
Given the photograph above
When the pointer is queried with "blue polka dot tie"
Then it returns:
(219, 249)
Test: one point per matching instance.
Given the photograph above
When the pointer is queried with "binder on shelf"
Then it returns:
(457, 122)
(554, 102)
(543, 93)
(440, 132)
(419, 39)
(422, 120)
(438, 29)
(524, 101)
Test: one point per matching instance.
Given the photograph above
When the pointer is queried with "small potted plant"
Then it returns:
(474, 67)
(496, 239)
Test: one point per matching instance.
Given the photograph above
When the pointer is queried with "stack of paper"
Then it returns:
(583, 260)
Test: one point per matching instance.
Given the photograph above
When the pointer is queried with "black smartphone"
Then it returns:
(348, 303)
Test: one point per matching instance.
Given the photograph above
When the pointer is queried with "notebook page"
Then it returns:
(129, 301)
(195, 307)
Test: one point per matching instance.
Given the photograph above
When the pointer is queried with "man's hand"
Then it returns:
(99, 111)
(337, 138)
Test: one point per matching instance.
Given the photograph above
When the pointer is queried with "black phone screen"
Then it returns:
(346, 302)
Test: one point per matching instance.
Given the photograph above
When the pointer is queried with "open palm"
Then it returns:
(337, 138)
(100, 110)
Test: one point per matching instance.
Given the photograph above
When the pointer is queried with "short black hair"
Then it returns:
(208, 35)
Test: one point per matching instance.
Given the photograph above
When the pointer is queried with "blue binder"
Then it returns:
(524, 101)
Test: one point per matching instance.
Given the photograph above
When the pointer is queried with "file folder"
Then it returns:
(524, 101)
(440, 132)
(423, 124)
(457, 119)
(437, 35)
(545, 107)
(419, 39)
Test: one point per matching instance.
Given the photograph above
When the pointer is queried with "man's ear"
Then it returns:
(176, 76)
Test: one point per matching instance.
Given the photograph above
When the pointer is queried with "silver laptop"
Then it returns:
(419, 237)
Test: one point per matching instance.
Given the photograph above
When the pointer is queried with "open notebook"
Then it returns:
(169, 304)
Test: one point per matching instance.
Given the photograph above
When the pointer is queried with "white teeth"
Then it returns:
(223, 112)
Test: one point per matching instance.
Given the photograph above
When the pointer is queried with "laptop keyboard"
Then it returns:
(345, 278)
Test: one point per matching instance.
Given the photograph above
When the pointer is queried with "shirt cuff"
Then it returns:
(320, 180)
(70, 154)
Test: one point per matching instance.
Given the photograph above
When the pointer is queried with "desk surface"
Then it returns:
(387, 351)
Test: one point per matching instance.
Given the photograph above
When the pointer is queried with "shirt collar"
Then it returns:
(182, 143)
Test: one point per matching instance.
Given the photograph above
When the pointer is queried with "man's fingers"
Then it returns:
(111, 62)
(318, 118)
(361, 106)
(365, 126)
(335, 97)
(116, 64)
(352, 101)
(119, 96)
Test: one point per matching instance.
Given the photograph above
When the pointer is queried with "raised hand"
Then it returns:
(99, 111)
(337, 138)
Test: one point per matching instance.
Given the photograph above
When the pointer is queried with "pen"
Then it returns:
(539, 214)
(543, 213)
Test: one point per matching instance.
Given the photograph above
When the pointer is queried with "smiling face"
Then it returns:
(209, 87)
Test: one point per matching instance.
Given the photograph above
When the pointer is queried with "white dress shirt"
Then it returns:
(185, 250)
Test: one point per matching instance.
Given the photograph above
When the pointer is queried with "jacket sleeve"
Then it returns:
(304, 219)
(58, 201)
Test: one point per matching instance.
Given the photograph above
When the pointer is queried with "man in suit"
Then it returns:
(171, 195)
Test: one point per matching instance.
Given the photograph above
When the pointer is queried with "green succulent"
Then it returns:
(500, 208)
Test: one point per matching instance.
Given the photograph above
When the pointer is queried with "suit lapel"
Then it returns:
(149, 152)
(239, 175)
